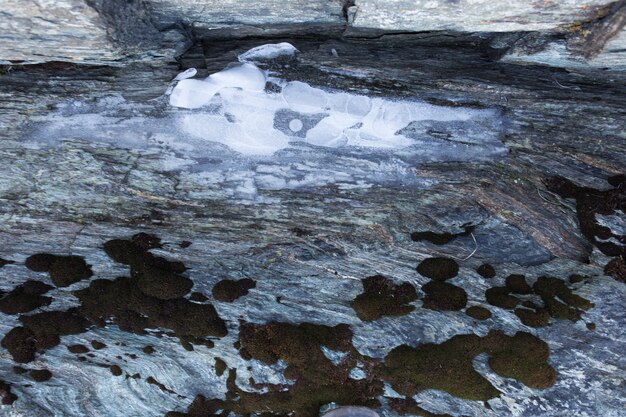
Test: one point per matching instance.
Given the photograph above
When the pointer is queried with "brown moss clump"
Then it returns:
(229, 290)
(96, 344)
(198, 296)
(576, 278)
(115, 370)
(4, 262)
(381, 297)
(442, 296)
(40, 375)
(26, 297)
(149, 350)
(63, 270)
(616, 268)
(165, 285)
(220, 366)
(78, 349)
(7, 396)
(486, 271)
(590, 202)
(42, 331)
(440, 238)
(439, 268)
(448, 366)
(548, 288)
(500, 297)
(130, 308)
(409, 406)
(317, 380)
(517, 284)
(533, 318)
(478, 313)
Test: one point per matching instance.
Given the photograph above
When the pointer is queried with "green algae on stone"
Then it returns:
(229, 290)
(448, 366)
(443, 296)
(478, 313)
(381, 297)
(439, 268)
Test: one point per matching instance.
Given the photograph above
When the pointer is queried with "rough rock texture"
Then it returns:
(472, 15)
(68, 189)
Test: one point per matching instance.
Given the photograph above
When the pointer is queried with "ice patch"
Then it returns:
(243, 133)
(239, 113)
(268, 52)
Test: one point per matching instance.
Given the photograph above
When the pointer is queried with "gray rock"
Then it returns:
(473, 15)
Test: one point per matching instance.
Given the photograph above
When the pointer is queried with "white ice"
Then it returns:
(267, 52)
(243, 114)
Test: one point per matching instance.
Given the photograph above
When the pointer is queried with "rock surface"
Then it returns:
(85, 159)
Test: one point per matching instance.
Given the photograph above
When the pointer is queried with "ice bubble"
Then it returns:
(296, 125)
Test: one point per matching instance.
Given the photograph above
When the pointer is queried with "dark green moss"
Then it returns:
(115, 370)
(381, 297)
(8, 397)
(96, 344)
(486, 271)
(576, 278)
(66, 270)
(616, 268)
(42, 331)
(220, 366)
(229, 290)
(19, 370)
(448, 366)
(40, 375)
(439, 269)
(26, 297)
(517, 284)
(4, 262)
(500, 297)
(40, 262)
(478, 313)
(409, 406)
(548, 288)
(442, 296)
(533, 318)
(78, 349)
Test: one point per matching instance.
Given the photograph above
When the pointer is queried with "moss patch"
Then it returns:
(7, 396)
(229, 290)
(115, 370)
(448, 366)
(440, 238)
(443, 296)
(40, 375)
(26, 297)
(220, 366)
(409, 406)
(78, 349)
(381, 297)
(478, 313)
(589, 203)
(439, 268)
(616, 268)
(558, 300)
(63, 270)
(486, 271)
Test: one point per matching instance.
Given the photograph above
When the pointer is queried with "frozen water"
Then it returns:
(268, 52)
(244, 114)
(232, 137)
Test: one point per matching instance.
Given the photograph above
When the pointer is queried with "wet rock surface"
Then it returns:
(494, 306)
